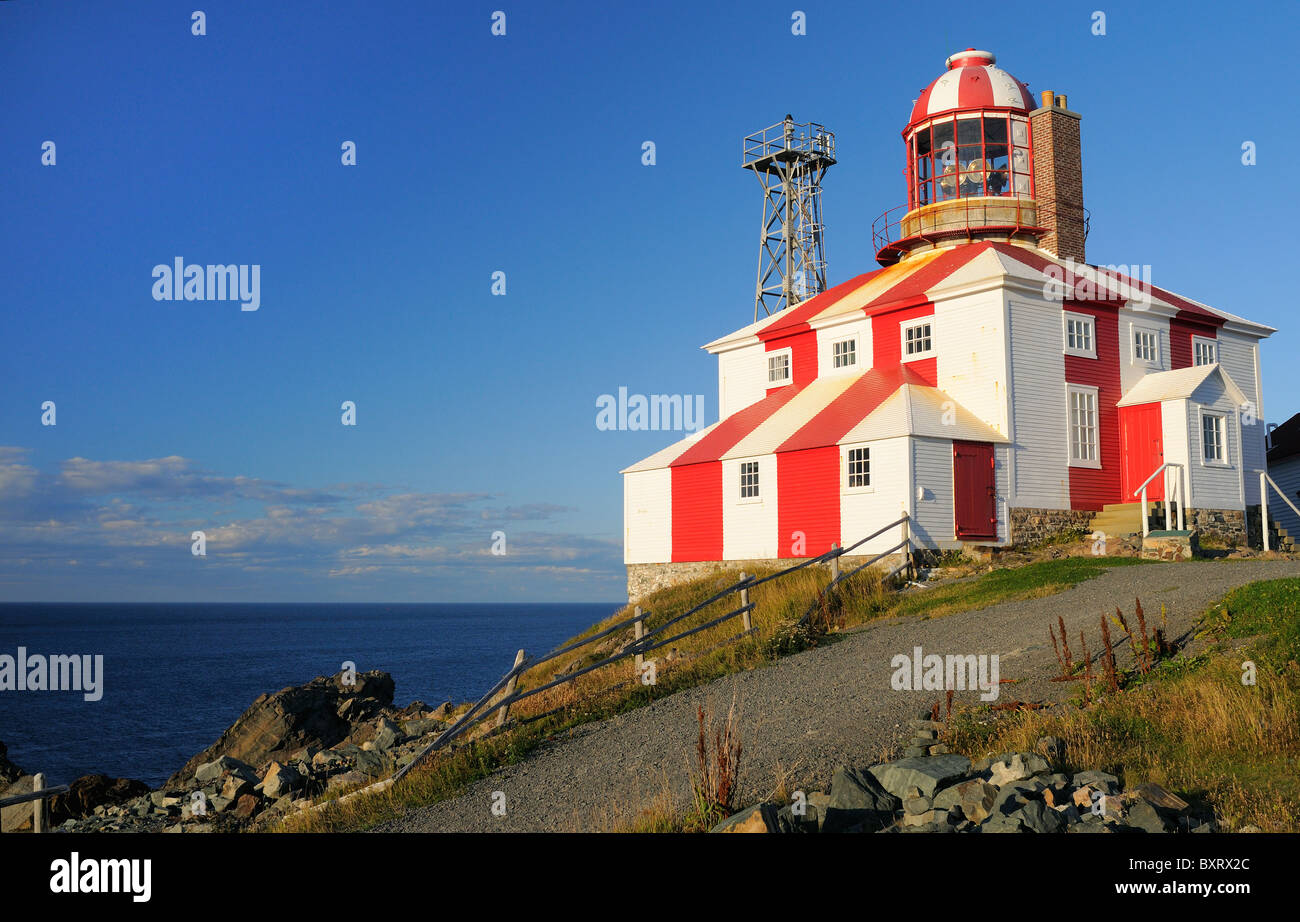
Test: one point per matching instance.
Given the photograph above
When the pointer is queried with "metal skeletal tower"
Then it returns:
(789, 160)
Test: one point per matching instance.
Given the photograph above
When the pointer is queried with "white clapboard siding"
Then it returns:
(1239, 355)
(1287, 476)
(863, 511)
(648, 516)
(742, 378)
(933, 524)
(1213, 487)
(970, 341)
(1040, 454)
(859, 329)
(749, 527)
(1132, 369)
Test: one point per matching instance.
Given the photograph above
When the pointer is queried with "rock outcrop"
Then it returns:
(1010, 792)
(320, 714)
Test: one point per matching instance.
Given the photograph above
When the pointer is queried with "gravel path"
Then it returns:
(808, 713)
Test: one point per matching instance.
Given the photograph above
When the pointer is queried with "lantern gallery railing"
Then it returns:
(962, 217)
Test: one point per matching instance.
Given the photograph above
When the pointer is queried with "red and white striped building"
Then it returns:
(986, 379)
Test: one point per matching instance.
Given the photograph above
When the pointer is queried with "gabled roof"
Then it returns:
(1179, 384)
(1285, 440)
(923, 277)
(879, 403)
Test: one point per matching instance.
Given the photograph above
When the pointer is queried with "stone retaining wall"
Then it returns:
(645, 578)
(1030, 526)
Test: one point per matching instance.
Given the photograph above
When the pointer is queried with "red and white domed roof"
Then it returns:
(971, 82)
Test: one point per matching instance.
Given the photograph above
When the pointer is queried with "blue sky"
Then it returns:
(521, 154)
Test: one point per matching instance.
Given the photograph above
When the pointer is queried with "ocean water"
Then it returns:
(175, 676)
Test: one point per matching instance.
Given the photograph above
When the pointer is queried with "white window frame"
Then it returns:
(1090, 391)
(846, 459)
(789, 366)
(1226, 461)
(903, 329)
(1091, 321)
(1134, 332)
(856, 350)
(758, 482)
(1199, 342)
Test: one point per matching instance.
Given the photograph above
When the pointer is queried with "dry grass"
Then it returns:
(689, 663)
(1190, 724)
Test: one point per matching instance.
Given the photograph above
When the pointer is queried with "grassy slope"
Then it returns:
(607, 691)
(1192, 725)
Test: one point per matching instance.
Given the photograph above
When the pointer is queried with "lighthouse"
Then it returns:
(985, 385)
(984, 162)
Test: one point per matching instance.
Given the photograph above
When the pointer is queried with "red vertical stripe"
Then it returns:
(697, 511)
(887, 343)
(808, 490)
(1092, 488)
(1181, 332)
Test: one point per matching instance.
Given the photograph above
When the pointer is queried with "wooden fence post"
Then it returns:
(744, 600)
(907, 548)
(639, 628)
(510, 690)
(38, 805)
(835, 563)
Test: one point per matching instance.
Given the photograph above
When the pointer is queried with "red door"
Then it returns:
(975, 496)
(1141, 440)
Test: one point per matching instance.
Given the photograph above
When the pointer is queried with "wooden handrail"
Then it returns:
(645, 641)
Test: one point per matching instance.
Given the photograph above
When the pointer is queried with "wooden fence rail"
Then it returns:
(644, 641)
(39, 794)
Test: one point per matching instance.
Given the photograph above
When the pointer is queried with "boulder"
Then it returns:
(245, 807)
(91, 791)
(927, 774)
(280, 724)
(1036, 816)
(280, 780)
(974, 797)
(1142, 815)
(387, 735)
(1098, 781)
(211, 772)
(758, 818)
(857, 799)
(18, 817)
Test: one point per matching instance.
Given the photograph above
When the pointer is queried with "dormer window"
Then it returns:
(778, 368)
(918, 341)
(844, 353)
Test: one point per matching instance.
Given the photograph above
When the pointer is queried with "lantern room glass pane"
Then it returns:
(995, 130)
(968, 131)
(1019, 132)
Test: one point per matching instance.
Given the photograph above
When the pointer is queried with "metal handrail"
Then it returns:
(1182, 496)
(1265, 482)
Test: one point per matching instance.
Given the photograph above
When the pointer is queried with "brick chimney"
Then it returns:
(1058, 176)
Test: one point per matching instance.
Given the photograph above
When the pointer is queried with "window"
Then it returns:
(1203, 351)
(1082, 404)
(844, 353)
(917, 342)
(1080, 335)
(1146, 346)
(1214, 447)
(969, 155)
(749, 480)
(859, 468)
(778, 368)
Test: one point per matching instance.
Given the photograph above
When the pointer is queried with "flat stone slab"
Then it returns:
(929, 773)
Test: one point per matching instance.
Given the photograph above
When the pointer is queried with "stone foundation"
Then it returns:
(1030, 526)
(646, 578)
(1227, 525)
